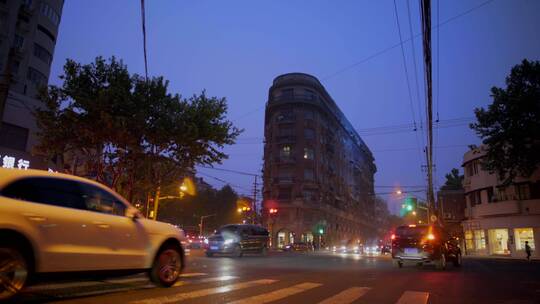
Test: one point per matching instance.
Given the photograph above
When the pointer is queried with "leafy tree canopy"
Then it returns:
(454, 181)
(128, 132)
(510, 126)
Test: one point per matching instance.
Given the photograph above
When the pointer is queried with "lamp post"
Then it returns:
(183, 190)
(201, 223)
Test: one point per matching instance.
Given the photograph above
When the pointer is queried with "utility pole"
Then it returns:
(254, 207)
(426, 39)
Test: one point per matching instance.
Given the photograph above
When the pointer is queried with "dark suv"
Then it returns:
(424, 244)
(237, 239)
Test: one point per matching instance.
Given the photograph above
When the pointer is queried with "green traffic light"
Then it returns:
(409, 207)
(321, 231)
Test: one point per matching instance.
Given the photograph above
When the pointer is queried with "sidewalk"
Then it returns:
(497, 257)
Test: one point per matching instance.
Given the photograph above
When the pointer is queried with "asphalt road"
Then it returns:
(311, 278)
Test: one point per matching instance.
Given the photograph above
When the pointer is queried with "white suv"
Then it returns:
(52, 223)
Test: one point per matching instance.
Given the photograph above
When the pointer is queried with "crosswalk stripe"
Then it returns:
(204, 292)
(413, 297)
(347, 296)
(277, 294)
(207, 280)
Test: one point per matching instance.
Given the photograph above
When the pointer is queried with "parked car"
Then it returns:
(238, 239)
(300, 246)
(424, 244)
(62, 224)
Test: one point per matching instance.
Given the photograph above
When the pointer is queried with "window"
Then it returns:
(309, 114)
(523, 235)
(309, 153)
(287, 92)
(284, 193)
(285, 175)
(479, 239)
(50, 13)
(286, 151)
(498, 241)
(27, 3)
(523, 191)
(469, 242)
(46, 32)
(41, 53)
(18, 41)
(309, 133)
(13, 137)
(285, 116)
(49, 191)
(309, 174)
(14, 65)
(309, 195)
(311, 95)
(286, 130)
(97, 199)
(36, 77)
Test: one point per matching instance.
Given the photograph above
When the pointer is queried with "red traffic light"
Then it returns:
(273, 210)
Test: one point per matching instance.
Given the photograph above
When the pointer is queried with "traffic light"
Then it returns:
(321, 231)
(410, 204)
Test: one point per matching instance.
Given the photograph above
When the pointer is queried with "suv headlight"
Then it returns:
(228, 241)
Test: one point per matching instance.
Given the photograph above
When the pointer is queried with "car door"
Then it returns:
(54, 207)
(121, 241)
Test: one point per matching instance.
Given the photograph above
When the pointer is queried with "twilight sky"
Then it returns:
(234, 49)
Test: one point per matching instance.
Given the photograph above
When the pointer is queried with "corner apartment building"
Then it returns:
(28, 34)
(499, 218)
(318, 173)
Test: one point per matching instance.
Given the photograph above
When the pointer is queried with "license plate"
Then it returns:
(411, 251)
(214, 247)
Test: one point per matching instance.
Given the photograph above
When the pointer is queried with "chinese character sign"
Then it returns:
(8, 162)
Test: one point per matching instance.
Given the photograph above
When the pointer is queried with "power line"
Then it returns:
(229, 170)
(376, 54)
(224, 181)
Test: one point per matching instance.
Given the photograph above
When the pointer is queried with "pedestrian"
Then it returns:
(528, 250)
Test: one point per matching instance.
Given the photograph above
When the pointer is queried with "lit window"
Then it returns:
(498, 241)
(308, 153)
(479, 239)
(286, 151)
(469, 241)
(523, 235)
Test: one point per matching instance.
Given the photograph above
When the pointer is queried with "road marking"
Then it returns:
(347, 296)
(192, 274)
(413, 297)
(207, 280)
(103, 291)
(277, 294)
(204, 292)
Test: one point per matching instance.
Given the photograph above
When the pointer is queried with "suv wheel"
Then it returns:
(13, 273)
(458, 261)
(237, 251)
(167, 266)
(441, 262)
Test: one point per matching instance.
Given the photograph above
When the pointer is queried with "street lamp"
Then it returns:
(399, 192)
(187, 187)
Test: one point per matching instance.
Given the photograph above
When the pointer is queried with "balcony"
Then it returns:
(284, 180)
(285, 159)
(510, 207)
(25, 12)
(283, 139)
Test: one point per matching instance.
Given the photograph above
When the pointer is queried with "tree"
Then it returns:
(454, 181)
(129, 132)
(510, 127)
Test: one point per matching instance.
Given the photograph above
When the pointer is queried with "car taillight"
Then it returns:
(393, 237)
(430, 237)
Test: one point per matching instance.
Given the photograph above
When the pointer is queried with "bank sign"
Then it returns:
(10, 162)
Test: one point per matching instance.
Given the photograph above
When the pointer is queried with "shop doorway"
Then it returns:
(498, 241)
